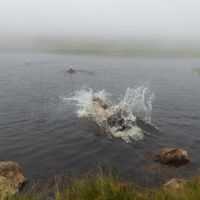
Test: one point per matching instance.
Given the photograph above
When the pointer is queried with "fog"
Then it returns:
(25, 23)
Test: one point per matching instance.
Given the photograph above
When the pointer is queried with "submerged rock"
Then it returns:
(170, 156)
(157, 169)
(12, 179)
(175, 184)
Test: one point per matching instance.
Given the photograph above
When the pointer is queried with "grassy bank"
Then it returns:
(109, 187)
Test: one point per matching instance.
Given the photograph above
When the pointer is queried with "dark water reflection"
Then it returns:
(40, 130)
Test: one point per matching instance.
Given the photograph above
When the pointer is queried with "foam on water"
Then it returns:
(136, 104)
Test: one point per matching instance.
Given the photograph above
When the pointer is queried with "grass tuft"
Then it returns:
(96, 186)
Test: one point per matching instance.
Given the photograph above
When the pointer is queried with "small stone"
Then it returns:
(175, 184)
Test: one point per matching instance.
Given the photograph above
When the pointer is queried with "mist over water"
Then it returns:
(115, 27)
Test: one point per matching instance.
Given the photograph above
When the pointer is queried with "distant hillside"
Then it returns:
(115, 46)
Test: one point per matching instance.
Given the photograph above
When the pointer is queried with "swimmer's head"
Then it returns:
(101, 103)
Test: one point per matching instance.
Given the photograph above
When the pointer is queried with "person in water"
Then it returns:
(110, 122)
(71, 70)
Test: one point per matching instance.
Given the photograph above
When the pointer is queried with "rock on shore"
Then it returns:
(175, 184)
(12, 179)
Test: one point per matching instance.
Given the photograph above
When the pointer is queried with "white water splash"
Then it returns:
(84, 101)
(136, 104)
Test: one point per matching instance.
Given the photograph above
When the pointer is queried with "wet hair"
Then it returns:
(100, 102)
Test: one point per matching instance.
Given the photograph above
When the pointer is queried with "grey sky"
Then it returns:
(101, 18)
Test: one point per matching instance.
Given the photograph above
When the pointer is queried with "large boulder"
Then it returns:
(175, 184)
(170, 156)
(12, 179)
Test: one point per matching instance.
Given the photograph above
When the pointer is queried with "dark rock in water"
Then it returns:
(175, 184)
(12, 179)
(170, 156)
(157, 169)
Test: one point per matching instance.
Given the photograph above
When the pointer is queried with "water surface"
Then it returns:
(42, 132)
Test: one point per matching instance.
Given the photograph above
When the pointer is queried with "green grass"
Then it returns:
(109, 187)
